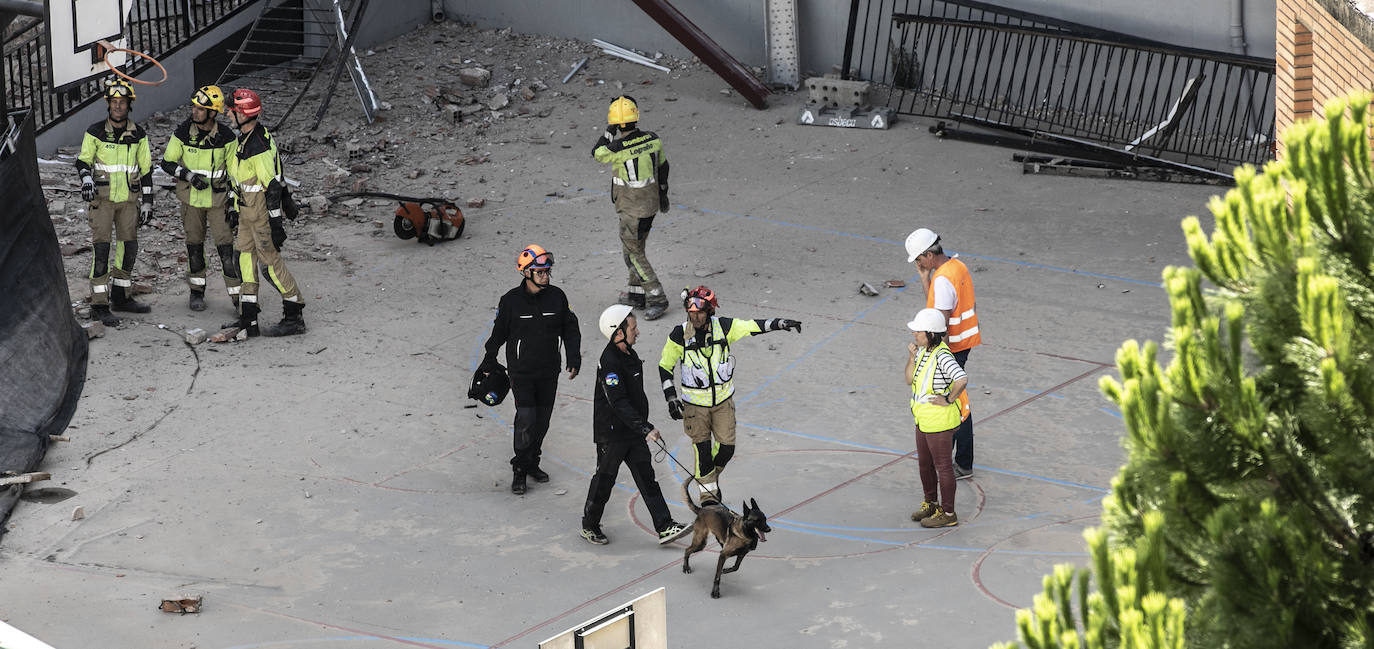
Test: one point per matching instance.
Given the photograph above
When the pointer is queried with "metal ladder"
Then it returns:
(286, 48)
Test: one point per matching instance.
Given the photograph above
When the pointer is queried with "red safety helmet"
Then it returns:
(700, 299)
(246, 103)
(533, 256)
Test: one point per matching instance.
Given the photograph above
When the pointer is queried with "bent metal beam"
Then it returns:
(720, 61)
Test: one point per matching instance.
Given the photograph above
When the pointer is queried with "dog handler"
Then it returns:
(621, 429)
(701, 347)
(936, 382)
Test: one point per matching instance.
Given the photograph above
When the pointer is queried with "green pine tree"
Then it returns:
(1246, 505)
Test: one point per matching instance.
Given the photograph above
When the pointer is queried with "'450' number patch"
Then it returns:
(612, 379)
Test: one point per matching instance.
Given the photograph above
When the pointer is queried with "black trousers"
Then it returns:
(534, 399)
(634, 453)
(963, 436)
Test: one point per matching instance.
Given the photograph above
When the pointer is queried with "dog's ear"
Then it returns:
(744, 507)
(755, 505)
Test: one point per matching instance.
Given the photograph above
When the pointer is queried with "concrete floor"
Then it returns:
(334, 490)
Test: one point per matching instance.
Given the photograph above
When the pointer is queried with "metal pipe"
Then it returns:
(732, 71)
(849, 38)
(1238, 26)
(22, 7)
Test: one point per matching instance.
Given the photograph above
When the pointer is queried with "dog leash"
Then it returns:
(663, 450)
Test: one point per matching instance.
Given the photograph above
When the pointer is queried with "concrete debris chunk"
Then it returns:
(79, 513)
(476, 202)
(474, 77)
(94, 330)
(9, 478)
(867, 289)
(501, 100)
(318, 204)
(527, 93)
(196, 336)
(181, 604)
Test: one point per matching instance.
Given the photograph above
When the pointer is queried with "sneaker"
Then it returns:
(940, 519)
(927, 510)
(673, 532)
(538, 474)
(594, 536)
(960, 473)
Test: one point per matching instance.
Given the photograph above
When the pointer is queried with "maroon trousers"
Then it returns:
(935, 458)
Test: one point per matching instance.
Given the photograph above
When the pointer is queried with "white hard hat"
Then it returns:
(613, 316)
(918, 242)
(928, 320)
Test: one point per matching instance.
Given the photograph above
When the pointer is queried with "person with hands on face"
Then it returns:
(936, 382)
(256, 209)
(116, 170)
(530, 321)
(196, 157)
(700, 348)
(621, 430)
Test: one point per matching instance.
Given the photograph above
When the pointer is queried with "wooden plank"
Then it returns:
(24, 478)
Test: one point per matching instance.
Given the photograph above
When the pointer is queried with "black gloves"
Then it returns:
(794, 325)
(231, 216)
(145, 212)
(87, 189)
(675, 409)
(663, 200)
(199, 182)
(278, 233)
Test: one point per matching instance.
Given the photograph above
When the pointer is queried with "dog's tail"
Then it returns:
(687, 495)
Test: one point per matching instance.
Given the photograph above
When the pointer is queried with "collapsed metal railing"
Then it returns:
(156, 27)
(1077, 85)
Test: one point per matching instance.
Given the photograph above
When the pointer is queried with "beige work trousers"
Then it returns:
(254, 245)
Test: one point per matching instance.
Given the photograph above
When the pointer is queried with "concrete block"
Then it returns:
(837, 93)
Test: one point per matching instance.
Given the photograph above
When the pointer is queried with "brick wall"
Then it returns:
(1323, 49)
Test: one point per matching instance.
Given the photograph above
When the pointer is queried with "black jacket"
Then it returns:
(530, 327)
(620, 410)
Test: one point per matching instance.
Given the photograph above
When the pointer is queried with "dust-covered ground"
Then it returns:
(337, 489)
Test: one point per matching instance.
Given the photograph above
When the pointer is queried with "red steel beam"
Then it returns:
(724, 65)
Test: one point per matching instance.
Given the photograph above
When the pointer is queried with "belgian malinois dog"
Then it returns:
(737, 534)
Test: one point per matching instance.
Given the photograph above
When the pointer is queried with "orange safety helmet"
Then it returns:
(700, 299)
(533, 256)
(246, 103)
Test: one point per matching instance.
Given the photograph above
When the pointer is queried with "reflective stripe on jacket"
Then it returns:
(120, 159)
(635, 158)
(192, 150)
(707, 367)
(963, 323)
(931, 418)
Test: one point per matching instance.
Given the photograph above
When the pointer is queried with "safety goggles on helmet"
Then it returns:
(535, 258)
(698, 304)
(209, 98)
(116, 87)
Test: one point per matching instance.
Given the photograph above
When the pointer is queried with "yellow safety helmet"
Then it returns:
(209, 98)
(623, 111)
(117, 87)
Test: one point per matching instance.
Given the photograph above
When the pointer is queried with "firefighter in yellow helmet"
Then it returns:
(116, 170)
(195, 156)
(639, 190)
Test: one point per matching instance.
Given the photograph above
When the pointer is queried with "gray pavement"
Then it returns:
(333, 490)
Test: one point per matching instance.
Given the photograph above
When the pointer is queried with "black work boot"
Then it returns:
(655, 311)
(517, 483)
(538, 474)
(120, 301)
(635, 300)
(248, 319)
(102, 313)
(291, 324)
(197, 300)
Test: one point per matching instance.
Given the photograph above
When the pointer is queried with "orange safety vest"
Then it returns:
(963, 323)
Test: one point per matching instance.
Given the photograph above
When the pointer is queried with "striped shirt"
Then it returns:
(947, 370)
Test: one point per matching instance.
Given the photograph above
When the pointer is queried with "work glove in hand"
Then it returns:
(87, 189)
(199, 182)
(278, 233)
(794, 325)
(145, 213)
(663, 201)
(231, 216)
(675, 409)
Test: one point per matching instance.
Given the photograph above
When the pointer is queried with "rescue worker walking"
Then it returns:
(949, 288)
(701, 347)
(621, 430)
(255, 208)
(530, 321)
(116, 170)
(639, 189)
(196, 156)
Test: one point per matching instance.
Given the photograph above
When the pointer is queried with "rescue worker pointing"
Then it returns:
(196, 156)
(254, 169)
(116, 169)
(701, 347)
(639, 189)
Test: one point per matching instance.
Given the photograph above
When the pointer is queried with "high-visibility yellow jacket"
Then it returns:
(707, 367)
(118, 157)
(638, 159)
(194, 150)
(253, 165)
(932, 418)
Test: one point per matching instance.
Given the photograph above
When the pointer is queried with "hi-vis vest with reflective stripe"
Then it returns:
(931, 418)
(706, 371)
(202, 153)
(635, 159)
(120, 160)
(963, 323)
